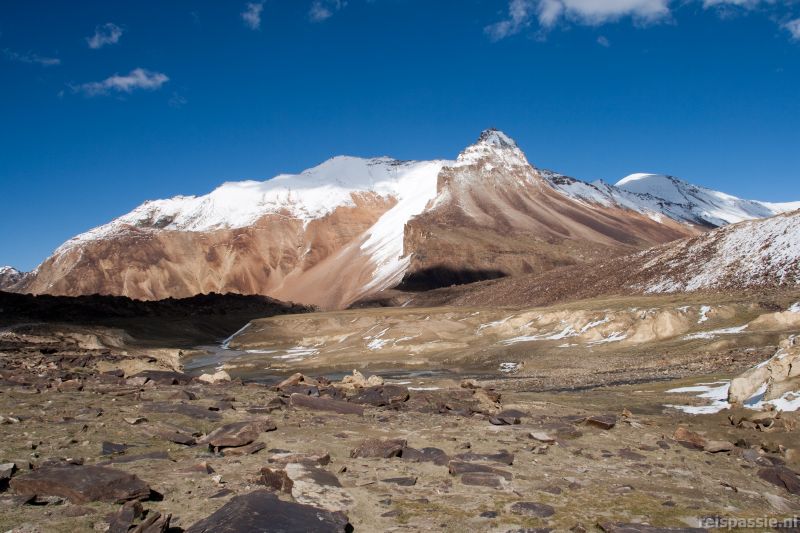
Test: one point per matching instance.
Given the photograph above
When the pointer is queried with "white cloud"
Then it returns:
(520, 13)
(603, 41)
(324, 9)
(794, 28)
(104, 34)
(138, 78)
(595, 12)
(592, 12)
(742, 3)
(30, 58)
(252, 15)
(177, 101)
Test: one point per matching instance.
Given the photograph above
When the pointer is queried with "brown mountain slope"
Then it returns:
(758, 255)
(277, 256)
(495, 216)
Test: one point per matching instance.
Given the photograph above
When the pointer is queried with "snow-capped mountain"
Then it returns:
(352, 226)
(10, 277)
(754, 253)
(659, 196)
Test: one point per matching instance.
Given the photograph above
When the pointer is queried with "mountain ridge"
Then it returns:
(351, 226)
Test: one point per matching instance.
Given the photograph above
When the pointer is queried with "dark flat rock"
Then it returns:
(381, 395)
(82, 484)
(250, 449)
(325, 404)
(539, 510)
(483, 479)
(782, 477)
(631, 455)
(459, 467)
(111, 448)
(164, 377)
(237, 434)
(191, 411)
(502, 457)
(151, 456)
(177, 437)
(504, 420)
(426, 455)
(262, 512)
(381, 448)
(401, 481)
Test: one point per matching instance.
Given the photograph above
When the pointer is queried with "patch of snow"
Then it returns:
(226, 343)
(414, 188)
(714, 333)
(566, 332)
(509, 368)
(593, 324)
(493, 324)
(717, 395)
(617, 336)
(795, 308)
(297, 354)
(789, 402)
(704, 314)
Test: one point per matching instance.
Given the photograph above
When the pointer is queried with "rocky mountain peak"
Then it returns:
(9, 277)
(497, 138)
(493, 149)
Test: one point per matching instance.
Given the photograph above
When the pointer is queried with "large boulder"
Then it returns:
(262, 512)
(82, 484)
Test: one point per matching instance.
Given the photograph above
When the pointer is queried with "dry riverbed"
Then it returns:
(434, 454)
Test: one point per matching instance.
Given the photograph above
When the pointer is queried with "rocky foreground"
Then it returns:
(89, 447)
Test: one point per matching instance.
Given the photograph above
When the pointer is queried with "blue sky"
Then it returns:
(107, 104)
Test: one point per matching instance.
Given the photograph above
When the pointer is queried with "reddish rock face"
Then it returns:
(317, 264)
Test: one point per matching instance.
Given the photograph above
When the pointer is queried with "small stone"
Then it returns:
(541, 436)
(602, 421)
(689, 439)
(401, 481)
(717, 446)
(320, 459)
(217, 377)
(110, 448)
(135, 420)
(237, 434)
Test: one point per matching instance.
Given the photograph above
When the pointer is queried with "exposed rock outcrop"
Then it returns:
(773, 378)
